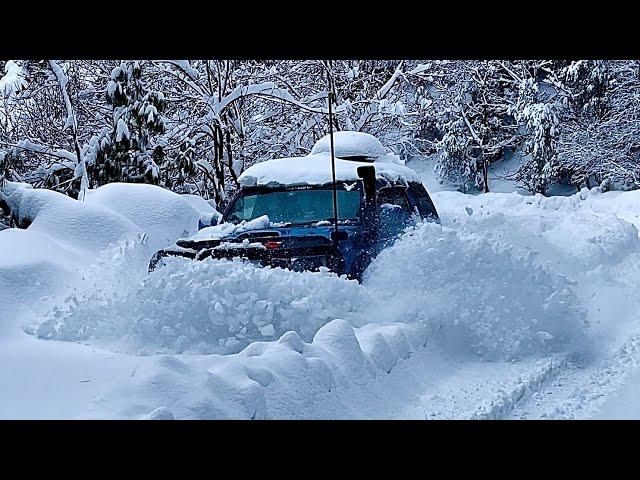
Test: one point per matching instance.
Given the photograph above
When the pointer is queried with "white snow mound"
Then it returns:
(351, 144)
(87, 227)
(162, 214)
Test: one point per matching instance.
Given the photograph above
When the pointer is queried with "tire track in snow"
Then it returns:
(582, 390)
(489, 390)
(507, 401)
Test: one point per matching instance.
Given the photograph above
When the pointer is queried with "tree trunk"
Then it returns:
(218, 167)
(234, 177)
(485, 175)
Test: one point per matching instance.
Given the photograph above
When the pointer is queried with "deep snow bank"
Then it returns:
(290, 378)
(67, 241)
(163, 215)
(84, 227)
(32, 266)
(44, 260)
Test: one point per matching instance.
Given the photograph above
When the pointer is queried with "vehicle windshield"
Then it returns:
(296, 206)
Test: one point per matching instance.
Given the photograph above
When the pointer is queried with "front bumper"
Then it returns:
(293, 253)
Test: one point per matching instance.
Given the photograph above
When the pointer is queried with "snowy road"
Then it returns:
(516, 307)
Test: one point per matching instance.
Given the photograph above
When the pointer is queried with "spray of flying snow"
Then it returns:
(474, 295)
(471, 295)
(204, 307)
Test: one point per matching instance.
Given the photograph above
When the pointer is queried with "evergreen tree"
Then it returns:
(538, 113)
(126, 154)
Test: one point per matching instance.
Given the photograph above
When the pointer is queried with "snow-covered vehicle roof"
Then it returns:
(315, 168)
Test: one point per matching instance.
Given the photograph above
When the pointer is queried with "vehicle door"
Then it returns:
(395, 213)
(421, 200)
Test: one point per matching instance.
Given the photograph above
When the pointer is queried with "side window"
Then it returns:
(423, 201)
(394, 196)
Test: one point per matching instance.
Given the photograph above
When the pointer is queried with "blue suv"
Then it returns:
(282, 216)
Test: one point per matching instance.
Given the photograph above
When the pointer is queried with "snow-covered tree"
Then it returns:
(600, 136)
(127, 152)
(476, 111)
(538, 111)
(48, 123)
(542, 169)
(194, 126)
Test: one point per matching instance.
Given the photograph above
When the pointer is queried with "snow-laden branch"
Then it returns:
(81, 170)
(31, 146)
(186, 67)
(470, 127)
(186, 78)
(270, 91)
(380, 95)
(62, 79)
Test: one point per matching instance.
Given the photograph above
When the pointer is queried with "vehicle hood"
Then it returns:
(258, 228)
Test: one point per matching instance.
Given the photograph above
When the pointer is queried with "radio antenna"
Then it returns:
(333, 157)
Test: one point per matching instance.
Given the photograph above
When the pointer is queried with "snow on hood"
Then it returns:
(224, 230)
(315, 169)
(351, 144)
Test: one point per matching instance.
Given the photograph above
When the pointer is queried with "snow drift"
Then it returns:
(86, 228)
(66, 240)
(160, 213)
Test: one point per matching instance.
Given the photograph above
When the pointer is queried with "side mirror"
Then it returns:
(208, 219)
(368, 175)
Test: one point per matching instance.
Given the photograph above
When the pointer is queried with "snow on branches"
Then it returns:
(195, 126)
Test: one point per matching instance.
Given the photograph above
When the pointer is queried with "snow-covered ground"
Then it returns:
(515, 307)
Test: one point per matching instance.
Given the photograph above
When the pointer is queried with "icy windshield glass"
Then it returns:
(297, 206)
